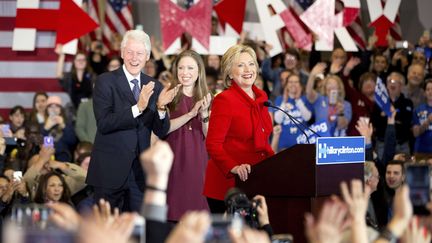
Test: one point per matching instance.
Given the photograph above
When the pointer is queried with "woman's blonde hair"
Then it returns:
(341, 89)
(200, 89)
(231, 56)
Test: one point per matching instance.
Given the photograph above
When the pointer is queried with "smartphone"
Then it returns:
(333, 97)
(17, 175)
(52, 113)
(418, 180)
(6, 130)
(365, 119)
(48, 141)
(220, 224)
(401, 44)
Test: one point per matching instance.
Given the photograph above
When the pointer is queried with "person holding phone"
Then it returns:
(329, 104)
(239, 127)
(57, 126)
(12, 192)
(294, 103)
(189, 116)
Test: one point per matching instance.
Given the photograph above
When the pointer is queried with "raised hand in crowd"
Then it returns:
(192, 228)
(329, 225)
(399, 56)
(391, 119)
(357, 202)
(416, 233)
(249, 236)
(38, 161)
(119, 231)
(157, 162)
(402, 214)
(365, 128)
(318, 69)
(103, 215)
(5, 132)
(10, 190)
(64, 216)
(350, 65)
(54, 120)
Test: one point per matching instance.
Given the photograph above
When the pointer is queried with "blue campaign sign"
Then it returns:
(381, 97)
(340, 150)
(321, 128)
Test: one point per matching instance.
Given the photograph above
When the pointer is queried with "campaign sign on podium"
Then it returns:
(340, 150)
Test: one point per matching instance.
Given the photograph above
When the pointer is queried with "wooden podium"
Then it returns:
(293, 184)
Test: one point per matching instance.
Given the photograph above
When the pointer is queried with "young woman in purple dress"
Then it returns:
(189, 116)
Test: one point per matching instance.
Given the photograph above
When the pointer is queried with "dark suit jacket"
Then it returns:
(120, 137)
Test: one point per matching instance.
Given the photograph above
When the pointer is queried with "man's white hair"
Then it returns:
(137, 35)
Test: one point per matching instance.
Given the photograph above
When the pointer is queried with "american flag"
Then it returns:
(118, 20)
(93, 12)
(23, 72)
(297, 7)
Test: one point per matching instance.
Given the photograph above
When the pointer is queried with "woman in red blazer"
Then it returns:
(239, 127)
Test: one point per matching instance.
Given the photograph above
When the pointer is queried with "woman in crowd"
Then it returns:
(17, 120)
(294, 103)
(362, 99)
(37, 115)
(240, 126)
(329, 104)
(422, 125)
(60, 129)
(114, 63)
(78, 83)
(52, 188)
(189, 114)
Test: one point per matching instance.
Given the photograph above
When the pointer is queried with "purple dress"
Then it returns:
(186, 178)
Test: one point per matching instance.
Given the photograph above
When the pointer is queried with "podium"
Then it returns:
(293, 184)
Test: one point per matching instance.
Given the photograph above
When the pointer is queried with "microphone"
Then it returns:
(296, 122)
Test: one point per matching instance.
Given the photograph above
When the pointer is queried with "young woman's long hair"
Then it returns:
(41, 192)
(200, 89)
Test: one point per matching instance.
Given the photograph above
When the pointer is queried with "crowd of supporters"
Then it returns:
(336, 89)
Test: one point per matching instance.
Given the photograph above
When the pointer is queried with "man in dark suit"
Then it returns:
(128, 106)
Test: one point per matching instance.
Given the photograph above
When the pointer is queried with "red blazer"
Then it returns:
(238, 133)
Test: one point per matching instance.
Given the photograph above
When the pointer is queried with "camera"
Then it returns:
(219, 229)
(238, 204)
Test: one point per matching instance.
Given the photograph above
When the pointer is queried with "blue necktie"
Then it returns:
(135, 89)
